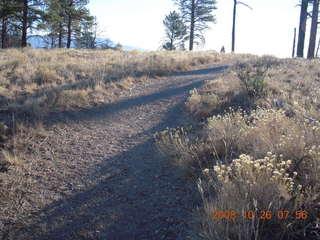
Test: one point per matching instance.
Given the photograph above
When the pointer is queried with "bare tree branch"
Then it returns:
(246, 5)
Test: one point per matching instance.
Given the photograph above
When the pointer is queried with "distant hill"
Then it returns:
(38, 41)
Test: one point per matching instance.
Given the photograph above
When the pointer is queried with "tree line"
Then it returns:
(190, 22)
(60, 22)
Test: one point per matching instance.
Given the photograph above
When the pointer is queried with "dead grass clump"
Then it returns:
(45, 76)
(11, 158)
(215, 96)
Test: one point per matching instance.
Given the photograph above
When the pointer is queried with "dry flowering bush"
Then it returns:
(261, 180)
(261, 185)
(248, 171)
(260, 131)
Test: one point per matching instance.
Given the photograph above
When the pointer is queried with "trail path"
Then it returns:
(106, 179)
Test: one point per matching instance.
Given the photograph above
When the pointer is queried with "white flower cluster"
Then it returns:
(249, 171)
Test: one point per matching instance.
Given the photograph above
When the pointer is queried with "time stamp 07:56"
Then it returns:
(261, 214)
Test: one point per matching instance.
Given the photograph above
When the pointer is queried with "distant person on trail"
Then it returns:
(222, 50)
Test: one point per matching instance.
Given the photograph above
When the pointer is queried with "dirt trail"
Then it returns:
(106, 180)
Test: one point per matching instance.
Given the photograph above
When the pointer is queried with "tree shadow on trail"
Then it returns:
(138, 202)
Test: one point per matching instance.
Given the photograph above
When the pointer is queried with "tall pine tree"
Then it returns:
(175, 31)
(196, 14)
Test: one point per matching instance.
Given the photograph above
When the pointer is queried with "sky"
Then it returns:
(267, 29)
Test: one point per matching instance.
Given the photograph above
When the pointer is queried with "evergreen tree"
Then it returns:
(30, 14)
(56, 22)
(196, 14)
(7, 11)
(175, 31)
(65, 21)
(87, 34)
(75, 12)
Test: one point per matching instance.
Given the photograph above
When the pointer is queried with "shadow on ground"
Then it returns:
(105, 110)
(145, 199)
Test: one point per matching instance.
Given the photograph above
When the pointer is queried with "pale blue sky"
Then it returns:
(268, 29)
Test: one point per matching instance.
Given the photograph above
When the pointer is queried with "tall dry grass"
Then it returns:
(47, 80)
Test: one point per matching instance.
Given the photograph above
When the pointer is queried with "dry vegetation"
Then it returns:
(257, 149)
(53, 80)
(36, 83)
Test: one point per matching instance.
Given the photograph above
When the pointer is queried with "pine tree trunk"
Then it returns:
(314, 28)
(234, 26)
(24, 23)
(53, 40)
(302, 27)
(294, 43)
(171, 41)
(69, 32)
(317, 53)
(4, 33)
(60, 36)
(192, 25)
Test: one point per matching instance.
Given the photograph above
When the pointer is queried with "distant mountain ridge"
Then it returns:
(38, 41)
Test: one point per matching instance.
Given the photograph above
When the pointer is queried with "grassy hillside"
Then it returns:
(34, 84)
(257, 150)
(62, 79)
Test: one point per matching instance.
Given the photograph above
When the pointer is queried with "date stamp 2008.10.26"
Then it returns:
(261, 214)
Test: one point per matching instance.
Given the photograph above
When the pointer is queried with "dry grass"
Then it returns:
(257, 150)
(34, 83)
(39, 81)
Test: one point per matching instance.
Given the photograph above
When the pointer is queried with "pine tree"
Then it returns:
(175, 31)
(55, 22)
(196, 15)
(30, 13)
(75, 11)
(7, 9)
(87, 33)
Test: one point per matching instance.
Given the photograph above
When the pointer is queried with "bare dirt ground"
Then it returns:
(100, 176)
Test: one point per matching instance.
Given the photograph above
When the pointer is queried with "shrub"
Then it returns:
(253, 79)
